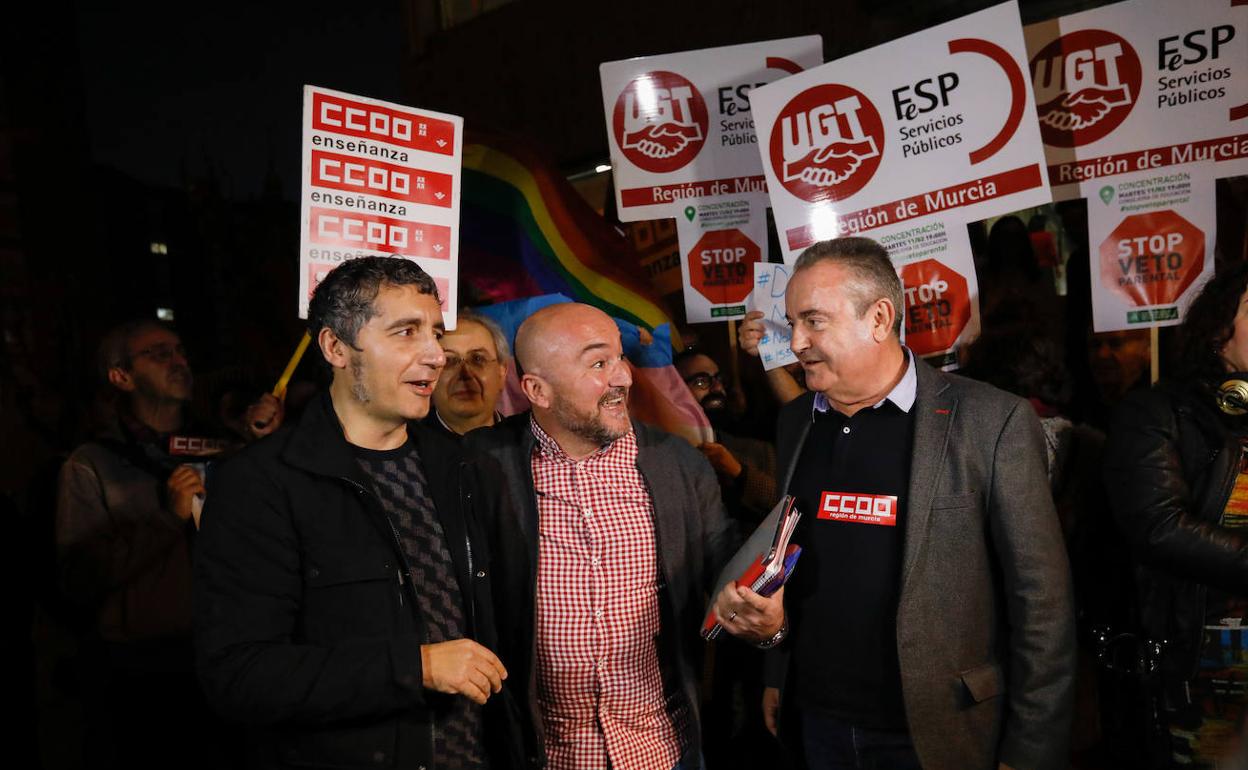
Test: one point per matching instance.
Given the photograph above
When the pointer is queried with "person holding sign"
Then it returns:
(930, 621)
(1179, 489)
(342, 601)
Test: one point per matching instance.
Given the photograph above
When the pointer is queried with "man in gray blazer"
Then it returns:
(930, 620)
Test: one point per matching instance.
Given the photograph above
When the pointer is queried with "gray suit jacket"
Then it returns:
(985, 620)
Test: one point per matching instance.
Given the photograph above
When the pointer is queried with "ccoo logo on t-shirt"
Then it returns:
(859, 508)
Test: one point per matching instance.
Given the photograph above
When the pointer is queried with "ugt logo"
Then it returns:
(826, 143)
(659, 122)
(1086, 83)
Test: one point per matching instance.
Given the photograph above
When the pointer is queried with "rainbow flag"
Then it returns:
(525, 232)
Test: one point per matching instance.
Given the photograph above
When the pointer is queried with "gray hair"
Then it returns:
(501, 347)
(874, 277)
(343, 302)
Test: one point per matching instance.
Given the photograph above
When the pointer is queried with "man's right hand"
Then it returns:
(462, 667)
(750, 332)
(181, 487)
(771, 708)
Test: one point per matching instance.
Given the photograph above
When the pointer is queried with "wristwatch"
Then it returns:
(778, 638)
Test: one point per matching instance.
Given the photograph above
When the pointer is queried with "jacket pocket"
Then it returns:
(964, 500)
(984, 682)
(349, 599)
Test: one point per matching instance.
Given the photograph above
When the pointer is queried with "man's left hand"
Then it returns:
(747, 615)
(263, 417)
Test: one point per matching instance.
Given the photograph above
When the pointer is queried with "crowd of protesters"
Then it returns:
(386, 570)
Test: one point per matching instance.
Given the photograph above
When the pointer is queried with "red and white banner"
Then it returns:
(680, 127)
(720, 242)
(941, 121)
(1151, 240)
(1139, 85)
(378, 179)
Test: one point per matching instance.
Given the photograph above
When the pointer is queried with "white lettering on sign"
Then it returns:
(859, 508)
(379, 123)
(360, 175)
(658, 106)
(821, 126)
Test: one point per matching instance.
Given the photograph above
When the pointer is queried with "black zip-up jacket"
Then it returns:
(1170, 464)
(692, 534)
(306, 629)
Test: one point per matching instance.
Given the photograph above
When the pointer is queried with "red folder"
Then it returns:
(764, 563)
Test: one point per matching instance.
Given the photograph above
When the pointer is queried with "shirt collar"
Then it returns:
(549, 447)
(498, 417)
(902, 395)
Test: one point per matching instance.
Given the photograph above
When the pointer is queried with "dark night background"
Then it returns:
(125, 124)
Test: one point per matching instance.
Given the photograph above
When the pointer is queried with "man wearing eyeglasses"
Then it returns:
(746, 467)
(126, 510)
(477, 357)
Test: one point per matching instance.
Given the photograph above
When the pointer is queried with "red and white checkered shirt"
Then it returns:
(598, 681)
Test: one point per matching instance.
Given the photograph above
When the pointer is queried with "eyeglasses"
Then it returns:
(477, 362)
(703, 380)
(161, 354)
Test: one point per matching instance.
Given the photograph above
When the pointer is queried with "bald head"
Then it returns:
(575, 376)
(556, 331)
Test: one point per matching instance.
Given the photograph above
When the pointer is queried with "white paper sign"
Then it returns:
(1139, 85)
(771, 280)
(939, 287)
(720, 242)
(939, 121)
(679, 125)
(1151, 240)
(378, 179)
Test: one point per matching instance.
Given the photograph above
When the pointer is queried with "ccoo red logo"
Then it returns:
(659, 122)
(1086, 83)
(827, 143)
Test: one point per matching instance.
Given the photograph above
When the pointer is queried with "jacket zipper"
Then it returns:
(469, 600)
(424, 632)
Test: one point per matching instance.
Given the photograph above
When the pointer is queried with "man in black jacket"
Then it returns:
(607, 536)
(342, 606)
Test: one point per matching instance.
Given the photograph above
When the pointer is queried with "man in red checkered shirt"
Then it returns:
(606, 537)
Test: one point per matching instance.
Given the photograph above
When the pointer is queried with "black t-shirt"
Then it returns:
(399, 480)
(851, 483)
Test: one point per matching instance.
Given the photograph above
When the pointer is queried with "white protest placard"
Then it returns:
(771, 280)
(1151, 240)
(720, 242)
(1139, 85)
(378, 179)
(939, 287)
(679, 125)
(939, 121)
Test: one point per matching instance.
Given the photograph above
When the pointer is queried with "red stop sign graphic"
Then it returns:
(938, 306)
(721, 266)
(1151, 259)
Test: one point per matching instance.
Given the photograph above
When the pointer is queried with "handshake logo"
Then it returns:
(660, 122)
(1086, 83)
(827, 143)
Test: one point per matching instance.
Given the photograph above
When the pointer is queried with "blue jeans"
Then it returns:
(830, 744)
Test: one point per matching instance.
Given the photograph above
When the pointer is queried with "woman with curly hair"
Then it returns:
(1178, 484)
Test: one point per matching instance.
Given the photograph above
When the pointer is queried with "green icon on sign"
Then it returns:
(1107, 194)
(690, 211)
